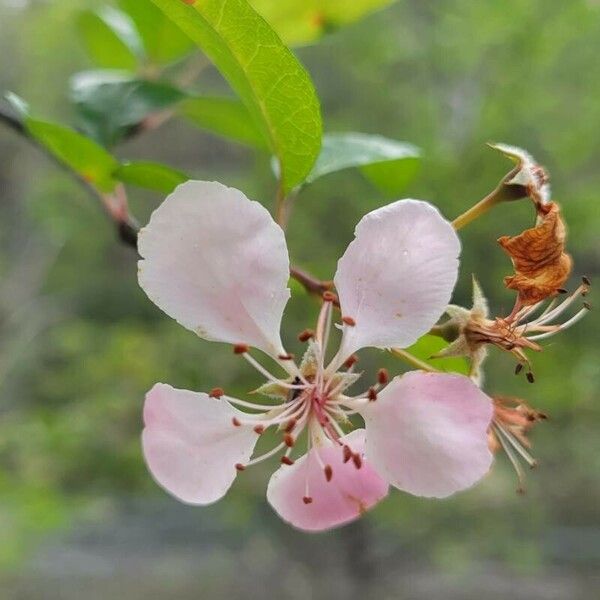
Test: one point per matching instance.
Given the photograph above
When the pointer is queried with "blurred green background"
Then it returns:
(80, 343)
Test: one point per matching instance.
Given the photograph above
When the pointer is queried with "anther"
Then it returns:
(562, 291)
(288, 440)
(351, 361)
(328, 472)
(240, 349)
(329, 297)
(382, 376)
(216, 392)
(290, 425)
(347, 454)
(236, 422)
(285, 356)
(586, 281)
(286, 460)
(372, 394)
(518, 368)
(259, 429)
(306, 335)
(530, 377)
(307, 500)
(587, 305)
(240, 467)
(357, 460)
(348, 321)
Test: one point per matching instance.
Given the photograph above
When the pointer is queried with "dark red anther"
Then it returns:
(382, 376)
(216, 392)
(307, 500)
(350, 361)
(259, 429)
(240, 467)
(347, 454)
(288, 440)
(357, 460)
(236, 422)
(562, 291)
(329, 297)
(285, 356)
(530, 377)
(240, 349)
(290, 425)
(306, 335)
(286, 460)
(328, 472)
(372, 394)
(348, 321)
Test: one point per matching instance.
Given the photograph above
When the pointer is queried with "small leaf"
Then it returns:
(163, 40)
(428, 345)
(384, 161)
(304, 21)
(268, 78)
(88, 159)
(110, 102)
(111, 38)
(226, 117)
(151, 175)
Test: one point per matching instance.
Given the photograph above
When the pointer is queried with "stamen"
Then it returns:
(240, 467)
(269, 376)
(357, 460)
(290, 425)
(216, 393)
(577, 317)
(530, 377)
(307, 500)
(266, 455)
(382, 377)
(347, 454)
(236, 422)
(285, 356)
(286, 460)
(350, 361)
(306, 335)
(259, 429)
(328, 472)
(349, 321)
(288, 440)
(513, 459)
(518, 368)
(240, 348)
(329, 297)
(372, 394)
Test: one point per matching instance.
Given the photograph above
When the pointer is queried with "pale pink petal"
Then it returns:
(191, 445)
(427, 433)
(218, 264)
(396, 277)
(344, 498)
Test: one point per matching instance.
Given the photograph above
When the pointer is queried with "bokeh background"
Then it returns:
(80, 343)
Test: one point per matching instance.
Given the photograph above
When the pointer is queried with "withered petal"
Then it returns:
(538, 255)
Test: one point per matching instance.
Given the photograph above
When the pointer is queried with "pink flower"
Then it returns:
(218, 264)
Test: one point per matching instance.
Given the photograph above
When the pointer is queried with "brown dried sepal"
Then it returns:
(538, 254)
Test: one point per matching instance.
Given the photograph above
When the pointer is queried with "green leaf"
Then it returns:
(109, 103)
(111, 38)
(303, 21)
(393, 176)
(88, 159)
(428, 345)
(263, 72)
(226, 117)
(151, 175)
(385, 162)
(163, 40)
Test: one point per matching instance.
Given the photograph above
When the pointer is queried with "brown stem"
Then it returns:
(311, 284)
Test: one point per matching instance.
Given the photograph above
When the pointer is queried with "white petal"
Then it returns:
(397, 275)
(218, 264)
(191, 445)
(427, 433)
